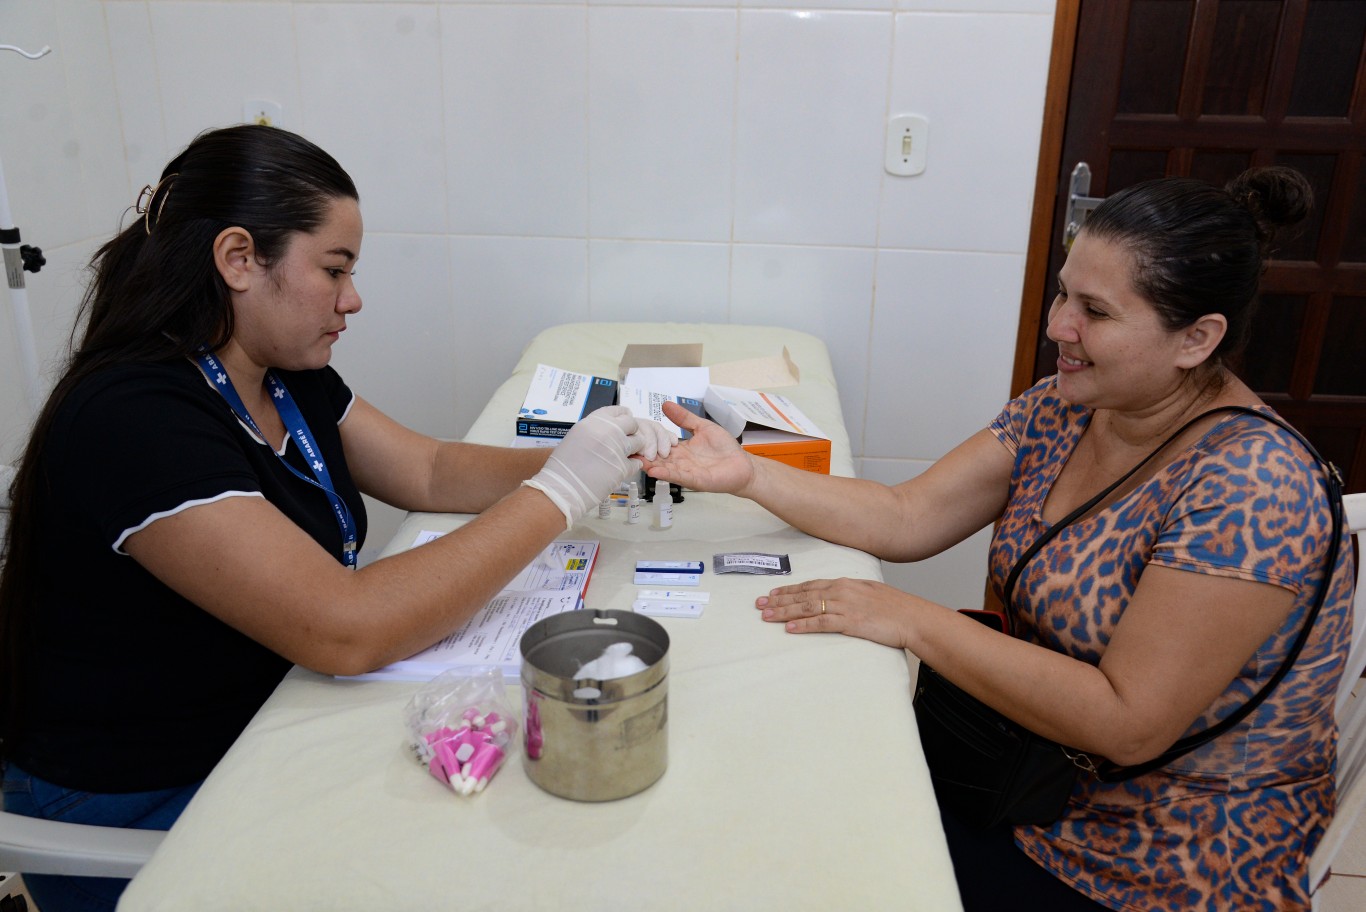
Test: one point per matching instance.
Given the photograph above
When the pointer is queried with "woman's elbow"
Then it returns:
(341, 653)
(337, 662)
(1137, 747)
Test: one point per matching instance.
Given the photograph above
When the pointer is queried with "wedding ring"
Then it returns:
(822, 606)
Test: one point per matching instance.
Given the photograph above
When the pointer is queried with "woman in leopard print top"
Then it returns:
(1157, 612)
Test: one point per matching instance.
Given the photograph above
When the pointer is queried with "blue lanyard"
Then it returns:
(298, 432)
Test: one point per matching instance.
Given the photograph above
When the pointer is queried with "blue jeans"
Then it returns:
(33, 797)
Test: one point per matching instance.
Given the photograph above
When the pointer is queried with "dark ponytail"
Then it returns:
(1199, 249)
(156, 296)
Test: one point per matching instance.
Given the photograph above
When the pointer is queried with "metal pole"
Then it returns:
(23, 322)
(14, 273)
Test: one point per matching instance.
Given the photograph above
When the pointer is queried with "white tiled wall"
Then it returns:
(661, 97)
(515, 107)
(523, 164)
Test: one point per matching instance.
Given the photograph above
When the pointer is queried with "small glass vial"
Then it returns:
(664, 506)
(605, 508)
(633, 503)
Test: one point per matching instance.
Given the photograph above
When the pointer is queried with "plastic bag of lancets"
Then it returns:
(462, 728)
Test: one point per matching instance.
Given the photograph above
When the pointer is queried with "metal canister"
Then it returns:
(589, 739)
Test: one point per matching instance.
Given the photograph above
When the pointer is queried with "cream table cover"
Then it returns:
(795, 776)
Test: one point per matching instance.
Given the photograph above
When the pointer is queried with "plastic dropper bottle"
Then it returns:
(664, 506)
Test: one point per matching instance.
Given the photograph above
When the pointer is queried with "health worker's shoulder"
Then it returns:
(164, 389)
(132, 414)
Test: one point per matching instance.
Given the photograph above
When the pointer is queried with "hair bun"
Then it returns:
(1277, 198)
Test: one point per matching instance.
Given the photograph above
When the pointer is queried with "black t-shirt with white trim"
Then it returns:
(128, 686)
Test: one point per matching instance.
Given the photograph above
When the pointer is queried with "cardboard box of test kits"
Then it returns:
(770, 425)
(766, 424)
(646, 404)
(556, 399)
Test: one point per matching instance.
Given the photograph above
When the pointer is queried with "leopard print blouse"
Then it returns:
(1232, 824)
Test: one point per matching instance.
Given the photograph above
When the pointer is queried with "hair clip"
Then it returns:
(146, 195)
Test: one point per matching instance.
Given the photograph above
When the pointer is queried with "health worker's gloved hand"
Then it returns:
(656, 440)
(590, 461)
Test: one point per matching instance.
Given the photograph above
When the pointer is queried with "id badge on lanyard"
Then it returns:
(299, 433)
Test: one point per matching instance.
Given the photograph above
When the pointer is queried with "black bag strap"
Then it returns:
(1111, 772)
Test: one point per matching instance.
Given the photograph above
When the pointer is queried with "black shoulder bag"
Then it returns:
(988, 770)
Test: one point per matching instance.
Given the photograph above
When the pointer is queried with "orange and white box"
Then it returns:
(770, 425)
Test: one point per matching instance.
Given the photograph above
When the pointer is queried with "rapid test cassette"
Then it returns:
(670, 603)
(669, 573)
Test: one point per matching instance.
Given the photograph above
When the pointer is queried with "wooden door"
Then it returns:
(1207, 88)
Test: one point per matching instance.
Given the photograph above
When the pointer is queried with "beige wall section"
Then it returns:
(527, 164)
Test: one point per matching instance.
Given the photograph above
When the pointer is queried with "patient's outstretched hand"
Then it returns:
(709, 460)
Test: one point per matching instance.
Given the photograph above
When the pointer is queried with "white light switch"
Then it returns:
(258, 111)
(907, 138)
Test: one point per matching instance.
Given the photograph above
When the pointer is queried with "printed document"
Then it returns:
(554, 582)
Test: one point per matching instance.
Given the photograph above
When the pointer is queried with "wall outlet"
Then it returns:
(266, 113)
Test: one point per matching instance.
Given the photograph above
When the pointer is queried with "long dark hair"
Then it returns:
(156, 296)
(1200, 249)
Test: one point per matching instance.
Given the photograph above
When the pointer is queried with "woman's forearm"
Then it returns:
(956, 497)
(470, 478)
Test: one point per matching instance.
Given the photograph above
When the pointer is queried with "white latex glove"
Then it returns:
(657, 440)
(590, 461)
